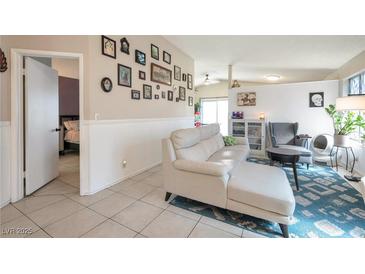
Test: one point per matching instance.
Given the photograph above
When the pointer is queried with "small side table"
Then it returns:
(335, 154)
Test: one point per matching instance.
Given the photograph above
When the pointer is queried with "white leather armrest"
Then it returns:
(242, 141)
(208, 168)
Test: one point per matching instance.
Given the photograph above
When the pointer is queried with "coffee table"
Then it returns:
(285, 155)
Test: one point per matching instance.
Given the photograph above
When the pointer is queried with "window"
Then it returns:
(357, 87)
(357, 84)
(215, 110)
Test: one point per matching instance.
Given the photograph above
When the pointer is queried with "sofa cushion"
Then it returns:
(209, 131)
(231, 156)
(193, 153)
(184, 138)
(262, 186)
(213, 144)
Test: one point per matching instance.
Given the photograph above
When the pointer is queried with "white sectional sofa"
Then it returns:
(197, 165)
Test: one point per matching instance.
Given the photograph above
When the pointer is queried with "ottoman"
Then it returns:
(262, 191)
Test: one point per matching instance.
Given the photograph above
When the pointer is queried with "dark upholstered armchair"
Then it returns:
(285, 135)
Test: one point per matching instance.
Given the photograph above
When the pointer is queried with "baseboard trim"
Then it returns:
(122, 179)
(5, 203)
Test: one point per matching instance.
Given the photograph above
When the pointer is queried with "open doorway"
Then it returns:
(46, 114)
(69, 120)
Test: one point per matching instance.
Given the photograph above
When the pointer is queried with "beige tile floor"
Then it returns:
(133, 208)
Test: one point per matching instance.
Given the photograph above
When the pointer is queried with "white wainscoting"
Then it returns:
(4, 163)
(138, 141)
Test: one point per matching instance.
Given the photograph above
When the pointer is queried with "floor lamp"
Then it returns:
(354, 102)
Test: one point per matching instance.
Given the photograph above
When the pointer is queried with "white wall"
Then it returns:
(290, 103)
(219, 90)
(138, 141)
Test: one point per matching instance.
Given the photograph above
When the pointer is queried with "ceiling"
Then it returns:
(294, 58)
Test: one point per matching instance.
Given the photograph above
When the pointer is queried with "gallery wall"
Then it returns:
(116, 104)
(290, 103)
(130, 129)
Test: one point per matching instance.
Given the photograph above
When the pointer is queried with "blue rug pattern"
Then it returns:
(326, 206)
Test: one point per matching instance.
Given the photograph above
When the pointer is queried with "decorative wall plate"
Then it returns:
(106, 84)
(3, 63)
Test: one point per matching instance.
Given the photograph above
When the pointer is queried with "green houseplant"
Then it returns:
(344, 123)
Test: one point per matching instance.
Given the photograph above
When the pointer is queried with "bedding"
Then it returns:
(72, 133)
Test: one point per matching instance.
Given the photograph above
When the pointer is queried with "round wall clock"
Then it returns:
(106, 84)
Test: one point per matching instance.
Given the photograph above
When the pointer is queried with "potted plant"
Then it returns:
(344, 123)
(197, 107)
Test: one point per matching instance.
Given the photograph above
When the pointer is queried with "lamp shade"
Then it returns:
(356, 102)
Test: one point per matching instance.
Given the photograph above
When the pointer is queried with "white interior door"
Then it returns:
(41, 124)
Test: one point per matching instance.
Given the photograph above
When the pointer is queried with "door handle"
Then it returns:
(56, 129)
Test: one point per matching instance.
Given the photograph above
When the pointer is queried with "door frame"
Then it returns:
(17, 114)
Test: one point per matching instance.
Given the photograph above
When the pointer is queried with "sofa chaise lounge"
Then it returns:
(197, 165)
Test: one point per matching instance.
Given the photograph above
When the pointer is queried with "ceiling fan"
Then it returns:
(208, 81)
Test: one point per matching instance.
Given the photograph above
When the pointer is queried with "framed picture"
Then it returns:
(140, 57)
(191, 101)
(157, 96)
(106, 84)
(316, 99)
(155, 52)
(170, 95)
(246, 99)
(141, 75)
(124, 76)
(177, 73)
(108, 47)
(166, 57)
(190, 81)
(147, 92)
(161, 75)
(184, 77)
(135, 94)
(163, 94)
(182, 92)
(124, 45)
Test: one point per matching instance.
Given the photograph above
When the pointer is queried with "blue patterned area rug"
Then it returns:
(326, 206)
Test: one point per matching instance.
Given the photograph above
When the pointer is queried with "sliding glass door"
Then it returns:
(215, 110)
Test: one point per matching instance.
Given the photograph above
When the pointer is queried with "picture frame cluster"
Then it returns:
(159, 73)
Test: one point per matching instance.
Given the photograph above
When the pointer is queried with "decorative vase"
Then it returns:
(341, 140)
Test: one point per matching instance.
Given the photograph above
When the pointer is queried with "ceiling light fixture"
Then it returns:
(207, 81)
(272, 77)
